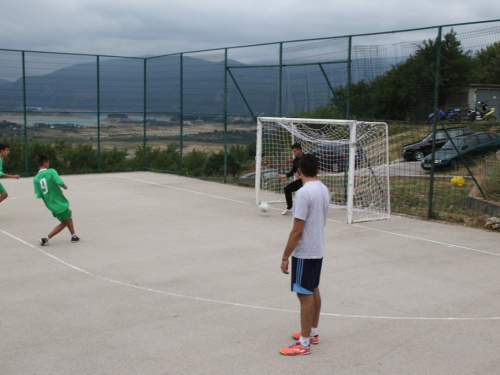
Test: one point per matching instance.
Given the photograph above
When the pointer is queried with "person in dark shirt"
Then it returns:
(296, 184)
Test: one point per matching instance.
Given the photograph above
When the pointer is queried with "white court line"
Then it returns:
(10, 199)
(427, 240)
(331, 220)
(245, 305)
(186, 190)
(235, 303)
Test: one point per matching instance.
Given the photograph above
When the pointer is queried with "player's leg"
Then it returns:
(289, 189)
(292, 188)
(3, 193)
(317, 307)
(288, 196)
(66, 221)
(307, 273)
(302, 345)
(307, 313)
(71, 227)
(58, 229)
(299, 285)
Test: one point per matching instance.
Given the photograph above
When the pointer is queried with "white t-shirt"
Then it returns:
(311, 204)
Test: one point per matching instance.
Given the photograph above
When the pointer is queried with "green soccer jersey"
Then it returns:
(47, 187)
(1, 167)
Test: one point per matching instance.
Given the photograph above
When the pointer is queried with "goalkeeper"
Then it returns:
(296, 184)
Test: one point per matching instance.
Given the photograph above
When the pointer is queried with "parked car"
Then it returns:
(417, 151)
(469, 146)
(333, 155)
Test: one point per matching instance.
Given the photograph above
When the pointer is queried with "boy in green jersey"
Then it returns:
(48, 186)
(4, 151)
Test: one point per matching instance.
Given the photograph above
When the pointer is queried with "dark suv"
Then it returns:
(333, 156)
(417, 150)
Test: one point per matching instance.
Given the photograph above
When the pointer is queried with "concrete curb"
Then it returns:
(481, 204)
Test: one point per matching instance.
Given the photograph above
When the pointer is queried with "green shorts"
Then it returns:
(63, 216)
(2, 189)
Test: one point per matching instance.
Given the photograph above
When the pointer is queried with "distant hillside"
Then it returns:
(121, 82)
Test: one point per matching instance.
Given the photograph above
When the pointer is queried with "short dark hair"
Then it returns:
(296, 145)
(3, 146)
(308, 165)
(41, 159)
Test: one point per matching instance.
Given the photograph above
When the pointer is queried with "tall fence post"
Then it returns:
(225, 115)
(98, 116)
(25, 119)
(349, 66)
(181, 117)
(430, 213)
(280, 88)
(144, 143)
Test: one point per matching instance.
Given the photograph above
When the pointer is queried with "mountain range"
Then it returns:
(121, 87)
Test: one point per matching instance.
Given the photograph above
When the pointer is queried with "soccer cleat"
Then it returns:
(75, 239)
(312, 339)
(287, 211)
(295, 349)
(44, 241)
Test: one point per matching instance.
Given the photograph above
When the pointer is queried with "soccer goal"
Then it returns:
(353, 162)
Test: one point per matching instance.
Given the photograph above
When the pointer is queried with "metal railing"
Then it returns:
(194, 113)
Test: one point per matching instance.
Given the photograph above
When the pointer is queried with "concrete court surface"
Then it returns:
(180, 276)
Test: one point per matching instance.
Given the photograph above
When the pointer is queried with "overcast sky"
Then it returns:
(157, 27)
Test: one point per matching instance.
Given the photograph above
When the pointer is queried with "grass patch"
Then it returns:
(410, 196)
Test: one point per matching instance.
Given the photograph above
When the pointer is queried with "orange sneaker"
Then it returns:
(312, 340)
(295, 349)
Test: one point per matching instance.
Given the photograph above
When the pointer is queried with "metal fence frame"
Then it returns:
(230, 78)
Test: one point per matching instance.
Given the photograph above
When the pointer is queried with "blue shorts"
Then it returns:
(305, 274)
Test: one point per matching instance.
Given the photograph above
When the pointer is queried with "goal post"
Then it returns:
(353, 162)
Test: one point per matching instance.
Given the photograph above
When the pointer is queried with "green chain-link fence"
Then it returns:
(194, 113)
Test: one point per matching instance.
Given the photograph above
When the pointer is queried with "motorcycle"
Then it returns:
(450, 116)
(482, 113)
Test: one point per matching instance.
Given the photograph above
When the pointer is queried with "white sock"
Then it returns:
(304, 341)
(46, 237)
(73, 235)
(314, 331)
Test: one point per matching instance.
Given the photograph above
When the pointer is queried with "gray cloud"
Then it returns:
(154, 27)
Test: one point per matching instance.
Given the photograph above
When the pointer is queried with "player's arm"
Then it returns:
(58, 180)
(285, 175)
(293, 240)
(294, 171)
(38, 193)
(5, 175)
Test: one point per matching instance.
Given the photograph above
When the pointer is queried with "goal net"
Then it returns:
(353, 162)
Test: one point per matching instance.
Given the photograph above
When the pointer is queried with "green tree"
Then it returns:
(114, 160)
(81, 157)
(252, 150)
(193, 163)
(487, 65)
(15, 164)
(323, 111)
(56, 160)
(406, 91)
(454, 68)
(166, 159)
(215, 165)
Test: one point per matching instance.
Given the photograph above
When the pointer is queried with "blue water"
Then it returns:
(74, 118)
